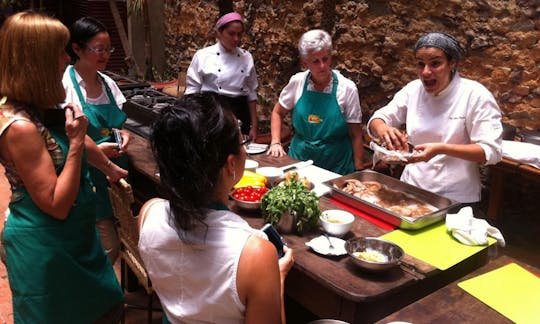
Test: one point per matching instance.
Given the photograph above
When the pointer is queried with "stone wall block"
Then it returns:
(373, 41)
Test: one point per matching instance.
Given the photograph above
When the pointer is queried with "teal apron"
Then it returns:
(57, 270)
(321, 132)
(102, 119)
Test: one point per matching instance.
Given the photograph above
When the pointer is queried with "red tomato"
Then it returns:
(249, 193)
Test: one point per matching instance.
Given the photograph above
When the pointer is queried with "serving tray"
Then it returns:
(442, 204)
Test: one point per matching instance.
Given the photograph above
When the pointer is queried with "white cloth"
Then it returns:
(346, 95)
(196, 282)
(463, 113)
(73, 97)
(525, 153)
(472, 231)
(216, 70)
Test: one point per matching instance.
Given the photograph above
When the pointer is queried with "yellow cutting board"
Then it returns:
(510, 290)
(433, 245)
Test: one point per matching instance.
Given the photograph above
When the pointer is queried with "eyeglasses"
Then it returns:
(101, 50)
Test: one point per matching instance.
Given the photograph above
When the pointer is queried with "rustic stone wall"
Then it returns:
(373, 41)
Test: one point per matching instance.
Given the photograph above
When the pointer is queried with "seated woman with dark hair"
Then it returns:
(205, 262)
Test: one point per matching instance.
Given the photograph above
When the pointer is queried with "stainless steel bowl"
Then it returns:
(391, 251)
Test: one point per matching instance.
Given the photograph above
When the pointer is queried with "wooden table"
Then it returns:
(331, 287)
(499, 172)
(452, 304)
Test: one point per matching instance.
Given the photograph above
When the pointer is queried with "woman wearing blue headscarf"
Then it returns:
(453, 122)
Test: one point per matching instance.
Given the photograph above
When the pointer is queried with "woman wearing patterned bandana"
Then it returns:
(454, 123)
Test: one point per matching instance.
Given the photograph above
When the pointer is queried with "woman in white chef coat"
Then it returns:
(454, 123)
(227, 70)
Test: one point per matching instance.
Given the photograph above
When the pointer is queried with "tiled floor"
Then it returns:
(519, 226)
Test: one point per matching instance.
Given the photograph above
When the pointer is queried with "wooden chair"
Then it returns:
(121, 196)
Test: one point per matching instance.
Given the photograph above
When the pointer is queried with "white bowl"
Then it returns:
(251, 165)
(271, 173)
(336, 222)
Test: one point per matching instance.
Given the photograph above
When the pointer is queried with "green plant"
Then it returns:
(293, 197)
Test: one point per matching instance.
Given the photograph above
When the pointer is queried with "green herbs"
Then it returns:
(291, 196)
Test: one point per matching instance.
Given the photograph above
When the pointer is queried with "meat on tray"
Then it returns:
(395, 201)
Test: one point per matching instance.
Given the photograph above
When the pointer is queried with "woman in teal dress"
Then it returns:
(101, 100)
(57, 269)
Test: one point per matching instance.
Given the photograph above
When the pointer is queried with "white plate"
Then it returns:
(320, 245)
(255, 148)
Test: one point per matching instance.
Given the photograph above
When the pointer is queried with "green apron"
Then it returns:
(57, 270)
(102, 119)
(321, 132)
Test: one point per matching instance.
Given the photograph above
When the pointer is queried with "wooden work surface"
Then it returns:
(499, 171)
(329, 287)
(452, 304)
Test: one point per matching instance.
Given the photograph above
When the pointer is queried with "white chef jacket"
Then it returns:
(196, 282)
(463, 113)
(346, 95)
(72, 97)
(216, 70)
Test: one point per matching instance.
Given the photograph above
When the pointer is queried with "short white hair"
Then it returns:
(314, 41)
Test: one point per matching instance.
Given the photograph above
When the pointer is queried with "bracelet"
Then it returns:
(276, 143)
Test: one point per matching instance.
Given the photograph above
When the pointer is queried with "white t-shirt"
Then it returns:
(196, 282)
(346, 95)
(73, 97)
(216, 70)
(463, 113)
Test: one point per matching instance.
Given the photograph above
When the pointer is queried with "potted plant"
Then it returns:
(291, 207)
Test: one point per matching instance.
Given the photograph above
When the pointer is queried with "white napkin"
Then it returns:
(525, 153)
(388, 156)
(472, 231)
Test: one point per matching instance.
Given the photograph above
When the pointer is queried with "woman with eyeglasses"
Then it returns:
(227, 70)
(101, 100)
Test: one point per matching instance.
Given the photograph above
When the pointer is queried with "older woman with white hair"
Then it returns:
(325, 107)
(454, 123)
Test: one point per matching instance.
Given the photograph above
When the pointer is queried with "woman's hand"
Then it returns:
(392, 137)
(276, 150)
(76, 124)
(285, 262)
(253, 133)
(126, 136)
(110, 149)
(113, 172)
(425, 152)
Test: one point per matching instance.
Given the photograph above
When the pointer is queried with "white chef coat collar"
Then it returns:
(450, 86)
(223, 50)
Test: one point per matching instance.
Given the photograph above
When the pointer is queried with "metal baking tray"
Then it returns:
(442, 204)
